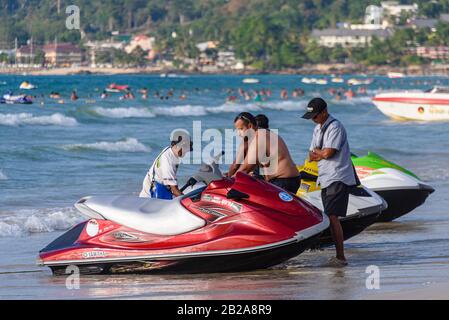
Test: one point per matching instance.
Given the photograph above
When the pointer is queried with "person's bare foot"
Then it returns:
(337, 263)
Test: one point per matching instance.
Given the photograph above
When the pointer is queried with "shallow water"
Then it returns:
(53, 154)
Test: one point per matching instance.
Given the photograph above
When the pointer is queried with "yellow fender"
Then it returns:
(310, 167)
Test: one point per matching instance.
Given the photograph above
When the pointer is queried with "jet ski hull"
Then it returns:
(212, 263)
(401, 189)
(401, 202)
(351, 226)
(237, 224)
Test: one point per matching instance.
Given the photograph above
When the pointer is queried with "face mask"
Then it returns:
(241, 133)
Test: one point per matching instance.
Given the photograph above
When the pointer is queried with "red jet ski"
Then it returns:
(231, 224)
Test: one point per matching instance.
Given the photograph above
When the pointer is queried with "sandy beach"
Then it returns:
(324, 69)
(428, 292)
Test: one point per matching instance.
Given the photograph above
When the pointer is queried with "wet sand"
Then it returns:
(412, 256)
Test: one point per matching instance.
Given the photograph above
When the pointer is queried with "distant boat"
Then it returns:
(251, 81)
(307, 80)
(395, 75)
(338, 80)
(322, 82)
(314, 81)
(358, 82)
(27, 86)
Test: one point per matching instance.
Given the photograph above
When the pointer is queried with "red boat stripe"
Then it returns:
(412, 100)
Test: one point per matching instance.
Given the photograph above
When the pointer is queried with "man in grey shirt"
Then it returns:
(336, 172)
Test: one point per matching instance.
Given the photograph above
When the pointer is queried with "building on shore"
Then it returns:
(395, 9)
(145, 42)
(348, 37)
(431, 53)
(54, 55)
(62, 55)
(423, 23)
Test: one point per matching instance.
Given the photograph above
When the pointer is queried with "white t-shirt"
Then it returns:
(165, 168)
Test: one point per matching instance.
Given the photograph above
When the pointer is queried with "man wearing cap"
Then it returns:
(161, 181)
(330, 148)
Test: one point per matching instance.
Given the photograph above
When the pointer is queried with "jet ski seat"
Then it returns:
(154, 216)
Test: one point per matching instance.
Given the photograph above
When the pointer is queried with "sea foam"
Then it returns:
(19, 119)
(29, 221)
(126, 145)
(121, 113)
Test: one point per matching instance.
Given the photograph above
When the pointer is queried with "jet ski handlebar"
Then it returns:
(206, 174)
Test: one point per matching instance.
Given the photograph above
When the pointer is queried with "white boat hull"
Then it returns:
(414, 106)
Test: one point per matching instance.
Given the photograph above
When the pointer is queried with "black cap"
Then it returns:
(315, 106)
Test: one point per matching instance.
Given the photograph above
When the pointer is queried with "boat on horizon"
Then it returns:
(250, 81)
(395, 75)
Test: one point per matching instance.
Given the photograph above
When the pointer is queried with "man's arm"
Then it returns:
(332, 144)
(175, 191)
(250, 161)
(322, 154)
(233, 169)
(239, 159)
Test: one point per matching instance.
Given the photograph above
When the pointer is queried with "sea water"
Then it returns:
(54, 153)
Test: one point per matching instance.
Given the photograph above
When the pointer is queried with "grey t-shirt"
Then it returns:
(339, 167)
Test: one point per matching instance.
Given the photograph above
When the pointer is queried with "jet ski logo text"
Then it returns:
(262, 147)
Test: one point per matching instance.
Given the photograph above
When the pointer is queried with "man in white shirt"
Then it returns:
(161, 180)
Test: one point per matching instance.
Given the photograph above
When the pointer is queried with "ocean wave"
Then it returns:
(30, 221)
(234, 108)
(56, 119)
(198, 110)
(181, 111)
(3, 176)
(354, 101)
(124, 112)
(126, 145)
(290, 105)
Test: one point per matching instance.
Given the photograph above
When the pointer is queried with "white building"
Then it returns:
(146, 43)
(393, 8)
(203, 46)
(348, 37)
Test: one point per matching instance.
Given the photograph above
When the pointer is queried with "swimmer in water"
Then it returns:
(74, 96)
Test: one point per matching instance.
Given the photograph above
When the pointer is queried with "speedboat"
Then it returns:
(308, 80)
(251, 81)
(364, 205)
(27, 86)
(401, 189)
(395, 75)
(338, 80)
(359, 82)
(19, 99)
(322, 82)
(225, 225)
(430, 105)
